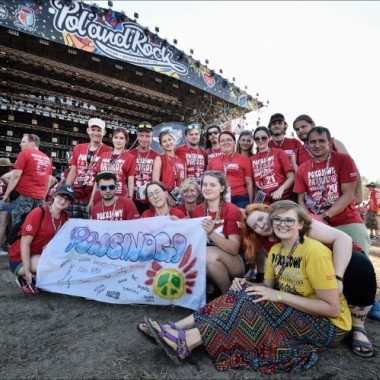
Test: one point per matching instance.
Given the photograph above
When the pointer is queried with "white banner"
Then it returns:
(153, 261)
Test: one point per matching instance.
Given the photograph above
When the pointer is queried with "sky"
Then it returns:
(315, 58)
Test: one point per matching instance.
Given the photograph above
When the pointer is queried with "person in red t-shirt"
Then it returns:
(212, 147)
(30, 178)
(144, 156)
(158, 196)
(244, 144)
(168, 168)
(37, 230)
(373, 208)
(112, 207)
(194, 156)
(190, 196)
(83, 164)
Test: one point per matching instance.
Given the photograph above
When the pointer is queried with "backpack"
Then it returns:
(15, 232)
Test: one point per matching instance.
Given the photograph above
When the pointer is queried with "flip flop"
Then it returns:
(357, 343)
(173, 354)
(146, 334)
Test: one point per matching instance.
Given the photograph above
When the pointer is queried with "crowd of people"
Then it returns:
(287, 256)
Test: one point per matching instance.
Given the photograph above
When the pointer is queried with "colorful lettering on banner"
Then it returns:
(161, 263)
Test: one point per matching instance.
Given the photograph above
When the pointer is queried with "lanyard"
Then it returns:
(225, 167)
(261, 166)
(321, 182)
(286, 261)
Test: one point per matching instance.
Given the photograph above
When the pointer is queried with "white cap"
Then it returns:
(97, 122)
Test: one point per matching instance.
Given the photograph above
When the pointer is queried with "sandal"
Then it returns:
(146, 333)
(356, 343)
(176, 355)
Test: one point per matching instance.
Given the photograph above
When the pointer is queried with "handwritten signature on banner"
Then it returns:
(157, 261)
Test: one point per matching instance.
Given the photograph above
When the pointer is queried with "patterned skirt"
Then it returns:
(267, 336)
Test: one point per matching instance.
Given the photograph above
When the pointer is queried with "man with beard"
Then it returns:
(212, 142)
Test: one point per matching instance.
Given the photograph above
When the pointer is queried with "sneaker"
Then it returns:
(374, 313)
(27, 289)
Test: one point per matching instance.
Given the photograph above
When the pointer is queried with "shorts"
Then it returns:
(4, 207)
(15, 266)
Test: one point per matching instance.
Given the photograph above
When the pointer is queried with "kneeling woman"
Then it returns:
(278, 327)
(39, 227)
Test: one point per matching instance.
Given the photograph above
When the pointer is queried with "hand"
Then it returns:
(208, 224)
(237, 284)
(28, 278)
(262, 293)
(173, 217)
(276, 195)
(5, 199)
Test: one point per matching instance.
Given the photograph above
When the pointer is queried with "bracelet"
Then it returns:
(279, 296)
(339, 278)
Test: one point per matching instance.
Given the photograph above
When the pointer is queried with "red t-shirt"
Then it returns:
(85, 176)
(269, 171)
(3, 188)
(42, 231)
(172, 212)
(36, 168)
(323, 187)
(123, 209)
(188, 214)
(211, 153)
(288, 144)
(173, 171)
(196, 161)
(374, 199)
(236, 167)
(144, 170)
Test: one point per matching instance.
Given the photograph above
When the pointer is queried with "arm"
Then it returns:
(294, 161)
(91, 201)
(156, 173)
(52, 181)
(276, 195)
(7, 177)
(25, 244)
(230, 245)
(72, 174)
(249, 185)
(131, 185)
(13, 181)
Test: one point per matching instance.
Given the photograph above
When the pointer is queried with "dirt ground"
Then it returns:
(53, 336)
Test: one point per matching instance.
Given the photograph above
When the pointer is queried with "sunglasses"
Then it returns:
(107, 187)
(213, 133)
(263, 138)
(144, 126)
(193, 126)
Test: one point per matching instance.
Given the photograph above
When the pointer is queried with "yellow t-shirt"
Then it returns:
(310, 267)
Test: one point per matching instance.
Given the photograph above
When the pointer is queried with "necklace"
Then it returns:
(285, 262)
(56, 229)
(225, 166)
(167, 213)
(282, 141)
(113, 210)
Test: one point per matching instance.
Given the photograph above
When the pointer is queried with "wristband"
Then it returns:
(279, 296)
(339, 278)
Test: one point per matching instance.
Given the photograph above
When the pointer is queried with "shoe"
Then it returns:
(27, 289)
(374, 313)
(356, 343)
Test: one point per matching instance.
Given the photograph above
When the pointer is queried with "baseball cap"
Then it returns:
(276, 117)
(144, 126)
(97, 123)
(105, 175)
(66, 190)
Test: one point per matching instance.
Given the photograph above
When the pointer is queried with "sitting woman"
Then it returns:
(222, 226)
(158, 196)
(278, 327)
(354, 270)
(39, 227)
(190, 196)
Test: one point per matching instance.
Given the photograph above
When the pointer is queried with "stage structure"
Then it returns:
(64, 61)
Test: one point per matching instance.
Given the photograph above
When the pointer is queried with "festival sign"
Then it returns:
(154, 261)
(105, 32)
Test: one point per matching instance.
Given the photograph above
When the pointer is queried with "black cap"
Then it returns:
(276, 117)
(105, 175)
(66, 190)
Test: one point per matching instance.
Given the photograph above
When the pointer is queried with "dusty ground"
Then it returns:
(53, 336)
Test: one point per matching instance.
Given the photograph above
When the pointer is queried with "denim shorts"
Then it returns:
(15, 266)
(4, 207)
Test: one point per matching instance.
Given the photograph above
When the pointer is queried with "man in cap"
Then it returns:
(112, 207)
(82, 166)
(195, 157)
(145, 156)
(29, 182)
(373, 203)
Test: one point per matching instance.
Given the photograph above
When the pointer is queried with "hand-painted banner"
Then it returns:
(153, 261)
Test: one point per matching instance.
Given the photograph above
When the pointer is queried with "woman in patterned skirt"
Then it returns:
(278, 327)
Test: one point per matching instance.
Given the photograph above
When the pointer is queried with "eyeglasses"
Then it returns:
(262, 138)
(226, 141)
(213, 133)
(193, 126)
(155, 193)
(144, 126)
(213, 173)
(289, 222)
(105, 187)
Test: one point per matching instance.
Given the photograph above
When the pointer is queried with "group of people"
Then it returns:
(285, 211)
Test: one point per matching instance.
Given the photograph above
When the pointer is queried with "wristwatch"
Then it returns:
(326, 218)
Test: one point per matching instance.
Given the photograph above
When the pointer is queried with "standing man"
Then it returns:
(302, 125)
(325, 186)
(277, 127)
(373, 208)
(195, 157)
(145, 156)
(30, 179)
(83, 164)
(111, 207)
(212, 142)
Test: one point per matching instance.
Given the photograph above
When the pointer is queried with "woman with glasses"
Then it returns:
(38, 228)
(222, 226)
(158, 196)
(212, 147)
(237, 168)
(245, 144)
(169, 168)
(273, 172)
(276, 327)
(354, 270)
(121, 163)
(190, 196)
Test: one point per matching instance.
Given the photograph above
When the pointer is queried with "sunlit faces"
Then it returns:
(144, 139)
(259, 222)
(167, 142)
(227, 143)
(261, 139)
(193, 136)
(107, 188)
(157, 196)
(277, 127)
(245, 142)
(96, 133)
(286, 225)
(318, 144)
(213, 135)
(302, 128)
(119, 140)
(190, 195)
(211, 188)
(61, 201)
